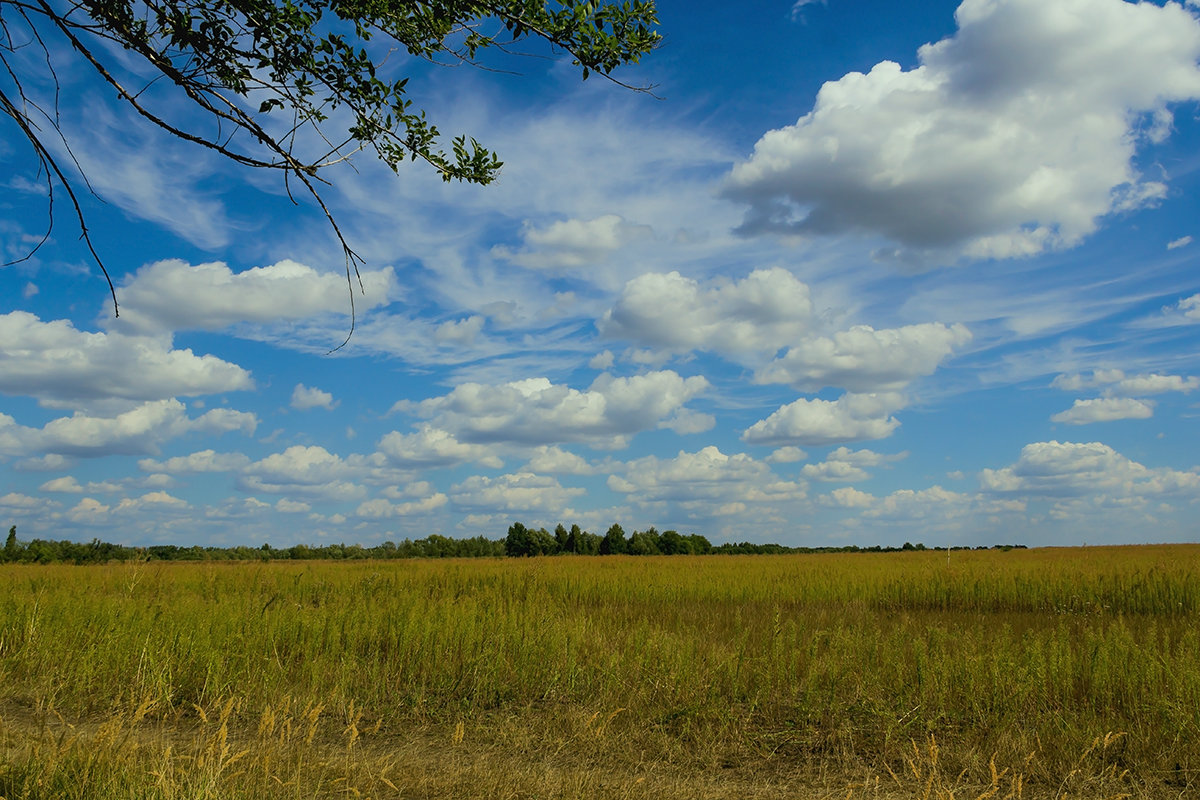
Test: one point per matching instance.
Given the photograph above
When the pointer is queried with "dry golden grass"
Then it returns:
(1040, 674)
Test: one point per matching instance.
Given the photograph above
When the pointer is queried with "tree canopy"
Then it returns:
(319, 63)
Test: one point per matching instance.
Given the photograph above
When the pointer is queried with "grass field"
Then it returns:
(1041, 673)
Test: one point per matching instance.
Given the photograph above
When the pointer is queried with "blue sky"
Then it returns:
(860, 273)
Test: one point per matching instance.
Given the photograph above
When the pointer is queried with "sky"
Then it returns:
(853, 273)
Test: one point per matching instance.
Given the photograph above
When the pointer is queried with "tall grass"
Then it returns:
(796, 665)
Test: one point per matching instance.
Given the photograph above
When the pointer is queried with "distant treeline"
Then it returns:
(520, 541)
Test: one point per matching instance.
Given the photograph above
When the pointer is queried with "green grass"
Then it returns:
(795, 670)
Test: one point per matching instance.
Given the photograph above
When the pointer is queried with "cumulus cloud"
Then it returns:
(521, 491)
(848, 497)
(549, 459)
(200, 461)
(46, 463)
(535, 411)
(15, 501)
(852, 417)
(705, 482)
(1068, 469)
(1105, 409)
(1182, 241)
(907, 504)
(63, 366)
(306, 471)
(763, 312)
(1185, 312)
(172, 295)
(602, 361)
(70, 485)
(142, 430)
(863, 359)
(847, 465)
(786, 455)
(1116, 382)
(573, 243)
(1014, 136)
(305, 397)
(379, 508)
(459, 332)
(157, 499)
(432, 447)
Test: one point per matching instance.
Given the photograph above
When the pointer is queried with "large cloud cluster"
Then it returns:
(852, 417)
(172, 295)
(143, 429)
(1012, 137)
(706, 482)
(764, 311)
(1069, 469)
(538, 412)
(63, 366)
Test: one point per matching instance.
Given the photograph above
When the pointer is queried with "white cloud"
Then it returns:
(15, 501)
(535, 411)
(851, 417)
(1155, 383)
(1068, 469)
(379, 508)
(70, 485)
(200, 461)
(1182, 241)
(602, 361)
(174, 296)
(573, 243)
(287, 506)
(848, 497)
(786, 455)
(844, 464)
(459, 332)
(863, 359)
(687, 421)
(1105, 409)
(88, 511)
(798, 8)
(432, 447)
(142, 430)
(46, 463)
(707, 482)
(305, 397)
(1116, 382)
(1185, 312)
(63, 366)
(310, 471)
(549, 459)
(521, 491)
(156, 499)
(1012, 137)
(767, 310)
(907, 504)
(834, 471)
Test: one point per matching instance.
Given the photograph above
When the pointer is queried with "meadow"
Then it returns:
(1064, 673)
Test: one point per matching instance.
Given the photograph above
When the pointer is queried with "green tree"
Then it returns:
(518, 542)
(12, 550)
(542, 543)
(644, 543)
(672, 544)
(574, 540)
(614, 541)
(211, 72)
